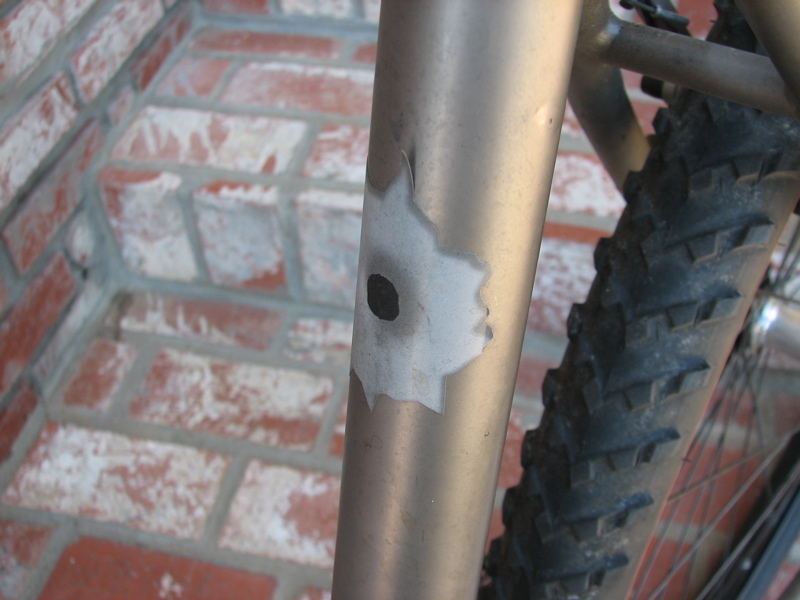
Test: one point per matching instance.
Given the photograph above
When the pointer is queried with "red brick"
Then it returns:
(194, 77)
(788, 407)
(646, 112)
(3, 297)
(241, 235)
(496, 527)
(52, 201)
(274, 44)
(302, 87)
(581, 185)
(201, 138)
(99, 374)
(320, 341)
(226, 323)
(787, 573)
(13, 419)
(277, 407)
(510, 468)
(111, 41)
(151, 486)
(336, 447)
(238, 6)
(21, 547)
(654, 570)
(28, 31)
(32, 133)
(701, 13)
(329, 227)
(150, 61)
(144, 213)
(296, 522)
(366, 53)
(26, 325)
(339, 154)
(106, 570)
(339, 9)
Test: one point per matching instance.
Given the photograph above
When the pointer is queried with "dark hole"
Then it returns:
(382, 298)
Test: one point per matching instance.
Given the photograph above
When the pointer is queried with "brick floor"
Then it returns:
(185, 441)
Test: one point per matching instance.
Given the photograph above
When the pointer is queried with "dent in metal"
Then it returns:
(419, 314)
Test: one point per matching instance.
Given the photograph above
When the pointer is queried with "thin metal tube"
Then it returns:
(713, 69)
(469, 95)
(776, 24)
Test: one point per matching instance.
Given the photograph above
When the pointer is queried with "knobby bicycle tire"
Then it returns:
(673, 287)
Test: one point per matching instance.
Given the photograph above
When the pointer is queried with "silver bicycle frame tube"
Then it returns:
(469, 99)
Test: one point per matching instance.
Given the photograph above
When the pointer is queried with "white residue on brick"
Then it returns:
(32, 134)
(153, 486)
(195, 137)
(563, 277)
(581, 185)
(29, 30)
(111, 41)
(339, 9)
(80, 240)
(320, 341)
(340, 154)
(330, 233)
(169, 588)
(230, 195)
(238, 400)
(263, 524)
(149, 227)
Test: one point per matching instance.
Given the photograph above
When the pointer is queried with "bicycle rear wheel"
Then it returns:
(673, 287)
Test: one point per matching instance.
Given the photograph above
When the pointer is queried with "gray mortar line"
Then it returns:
(188, 214)
(133, 381)
(331, 417)
(215, 521)
(62, 536)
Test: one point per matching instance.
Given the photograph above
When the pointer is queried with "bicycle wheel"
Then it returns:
(673, 288)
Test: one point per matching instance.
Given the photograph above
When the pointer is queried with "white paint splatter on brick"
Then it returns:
(581, 185)
(339, 154)
(32, 133)
(563, 277)
(329, 226)
(80, 240)
(241, 235)
(278, 407)
(169, 588)
(147, 222)
(338, 9)
(27, 32)
(147, 485)
(295, 522)
(320, 341)
(195, 137)
(111, 41)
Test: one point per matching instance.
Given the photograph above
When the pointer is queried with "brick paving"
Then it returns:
(177, 290)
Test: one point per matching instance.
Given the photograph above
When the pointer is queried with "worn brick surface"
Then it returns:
(531, 374)
(320, 341)
(21, 547)
(99, 375)
(30, 135)
(366, 53)
(193, 77)
(120, 106)
(14, 417)
(150, 61)
(111, 41)
(226, 324)
(278, 407)
(314, 594)
(153, 486)
(329, 226)
(581, 185)
(52, 201)
(27, 323)
(297, 522)
(30, 30)
(274, 44)
(200, 138)
(339, 154)
(339, 9)
(144, 213)
(260, 7)
(241, 235)
(303, 87)
(107, 570)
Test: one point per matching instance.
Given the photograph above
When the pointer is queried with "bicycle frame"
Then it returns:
(468, 103)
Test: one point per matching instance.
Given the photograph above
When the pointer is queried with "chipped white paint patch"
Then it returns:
(440, 323)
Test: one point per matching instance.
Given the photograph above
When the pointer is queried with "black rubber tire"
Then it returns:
(673, 287)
